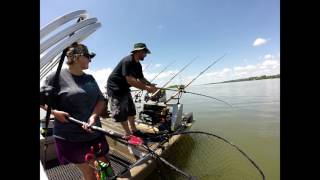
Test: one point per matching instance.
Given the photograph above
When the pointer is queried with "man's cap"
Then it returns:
(80, 49)
(140, 46)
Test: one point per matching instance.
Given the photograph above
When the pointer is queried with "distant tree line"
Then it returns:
(251, 78)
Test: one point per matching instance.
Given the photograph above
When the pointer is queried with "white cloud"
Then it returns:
(244, 68)
(269, 62)
(269, 66)
(157, 65)
(225, 70)
(241, 74)
(145, 66)
(259, 42)
(211, 74)
(101, 76)
(238, 68)
(250, 67)
(268, 56)
(162, 78)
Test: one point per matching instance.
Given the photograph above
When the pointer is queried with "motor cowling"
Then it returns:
(154, 114)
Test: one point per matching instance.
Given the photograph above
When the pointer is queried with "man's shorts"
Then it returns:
(122, 107)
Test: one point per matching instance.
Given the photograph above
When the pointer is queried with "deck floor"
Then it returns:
(71, 171)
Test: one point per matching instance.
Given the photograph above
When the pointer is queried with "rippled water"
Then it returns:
(253, 123)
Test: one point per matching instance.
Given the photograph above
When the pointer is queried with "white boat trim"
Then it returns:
(60, 21)
(77, 37)
(66, 32)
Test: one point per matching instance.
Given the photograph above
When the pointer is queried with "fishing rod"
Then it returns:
(168, 135)
(174, 76)
(140, 91)
(168, 89)
(163, 70)
(155, 155)
(214, 62)
(136, 141)
(146, 67)
(110, 133)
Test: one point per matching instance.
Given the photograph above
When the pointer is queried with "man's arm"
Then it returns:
(140, 84)
(144, 80)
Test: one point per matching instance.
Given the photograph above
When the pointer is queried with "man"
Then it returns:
(126, 74)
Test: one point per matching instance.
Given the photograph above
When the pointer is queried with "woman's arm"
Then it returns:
(98, 108)
(96, 112)
(59, 115)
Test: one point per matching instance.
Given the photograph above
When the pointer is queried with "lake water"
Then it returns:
(253, 123)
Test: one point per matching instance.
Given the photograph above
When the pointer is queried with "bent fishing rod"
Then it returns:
(181, 89)
(168, 135)
(136, 141)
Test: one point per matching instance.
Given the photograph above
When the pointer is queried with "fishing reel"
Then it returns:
(137, 97)
(160, 96)
(181, 87)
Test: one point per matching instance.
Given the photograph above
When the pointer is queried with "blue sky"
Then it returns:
(181, 30)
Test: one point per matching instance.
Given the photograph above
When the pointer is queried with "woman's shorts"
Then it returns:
(75, 152)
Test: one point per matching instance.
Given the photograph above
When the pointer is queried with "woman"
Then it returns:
(78, 96)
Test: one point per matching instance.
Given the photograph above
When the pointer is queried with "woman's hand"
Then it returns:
(90, 122)
(60, 115)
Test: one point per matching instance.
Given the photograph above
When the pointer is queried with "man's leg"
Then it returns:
(125, 126)
(132, 124)
(119, 113)
(131, 113)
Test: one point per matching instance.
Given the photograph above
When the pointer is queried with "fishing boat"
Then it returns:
(164, 123)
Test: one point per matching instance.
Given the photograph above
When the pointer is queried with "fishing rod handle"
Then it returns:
(96, 128)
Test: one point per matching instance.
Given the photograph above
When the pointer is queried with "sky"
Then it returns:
(248, 31)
